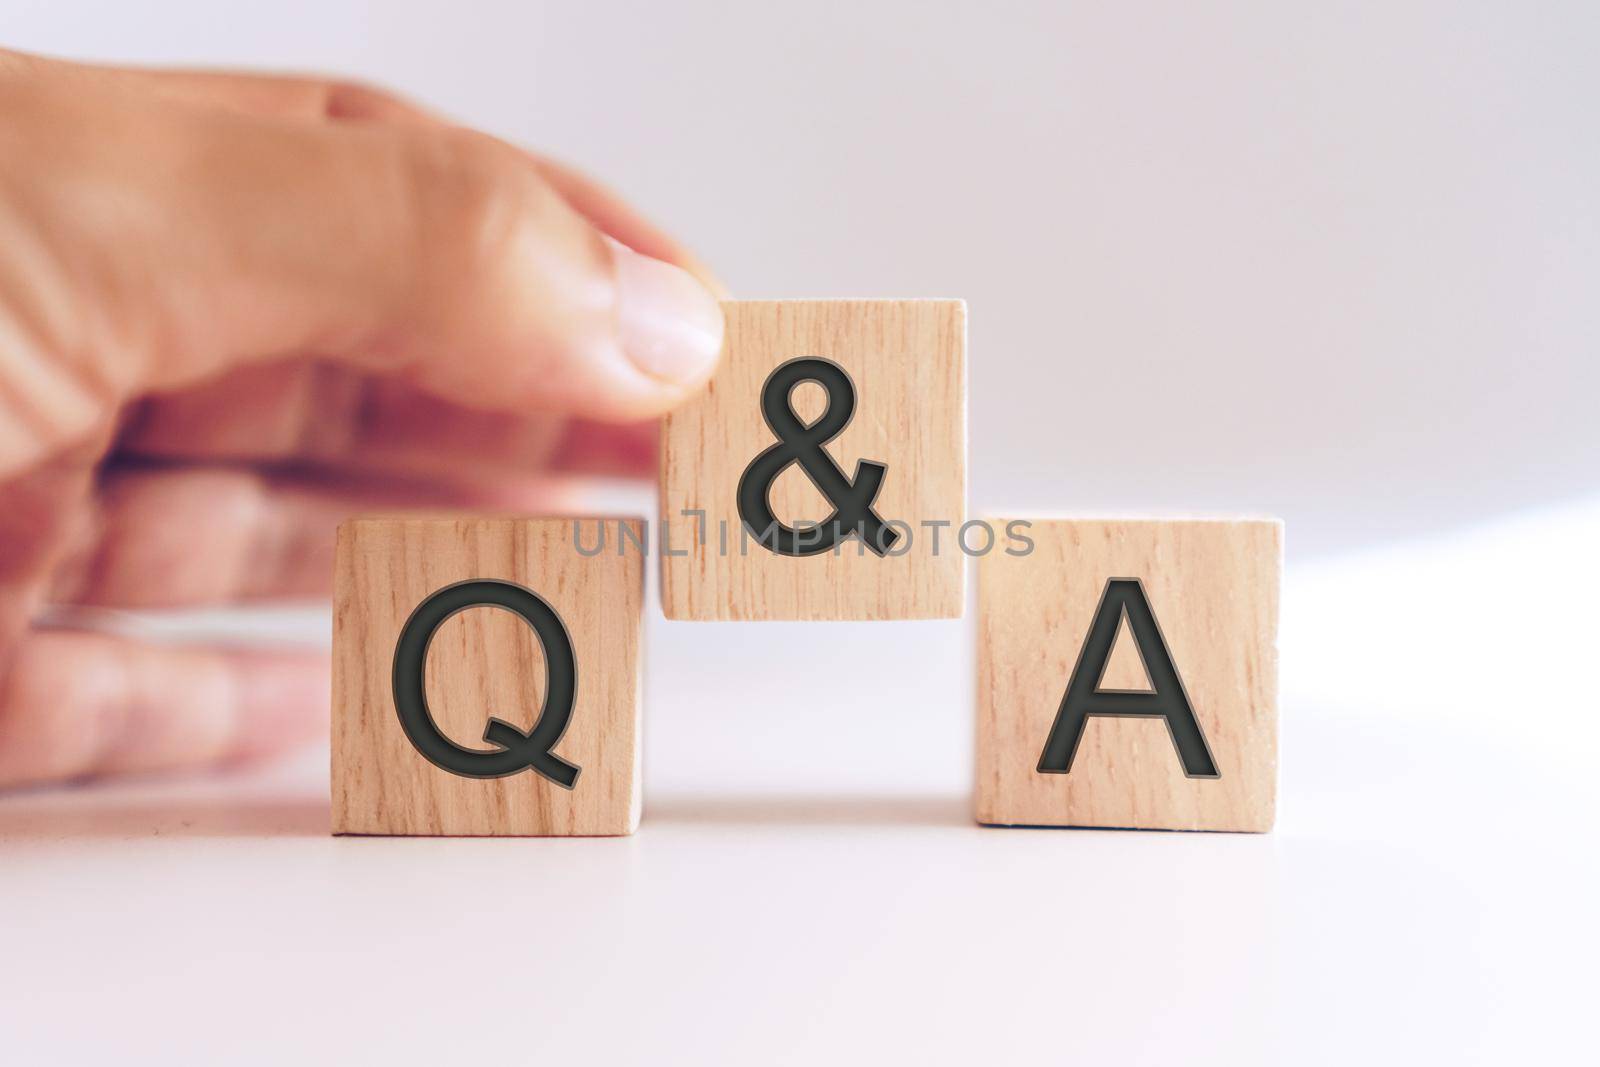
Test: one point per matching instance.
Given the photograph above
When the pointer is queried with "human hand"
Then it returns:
(235, 309)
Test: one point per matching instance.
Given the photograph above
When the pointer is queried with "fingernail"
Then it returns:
(671, 325)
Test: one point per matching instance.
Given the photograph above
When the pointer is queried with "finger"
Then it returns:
(315, 99)
(77, 705)
(333, 417)
(181, 536)
(615, 217)
(289, 96)
(434, 254)
(42, 509)
(286, 96)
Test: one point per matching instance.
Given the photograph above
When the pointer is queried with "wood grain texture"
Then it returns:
(484, 662)
(1213, 587)
(907, 361)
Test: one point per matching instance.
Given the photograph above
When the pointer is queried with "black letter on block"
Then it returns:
(516, 751)
(1166, 700)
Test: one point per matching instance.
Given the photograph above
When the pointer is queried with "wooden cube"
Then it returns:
(486, 677)
(1128, 675)
(822, 472)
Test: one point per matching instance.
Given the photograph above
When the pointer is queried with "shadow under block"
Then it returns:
(1193, 607)
(484, 662)
(905, 363)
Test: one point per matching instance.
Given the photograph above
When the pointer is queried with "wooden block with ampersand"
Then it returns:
(822, 472)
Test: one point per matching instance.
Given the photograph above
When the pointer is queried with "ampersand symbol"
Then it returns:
(801, 443)
(516, 751)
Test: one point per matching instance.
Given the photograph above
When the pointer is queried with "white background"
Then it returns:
(1333, 262)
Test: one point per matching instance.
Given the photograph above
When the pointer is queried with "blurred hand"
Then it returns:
(235, 309)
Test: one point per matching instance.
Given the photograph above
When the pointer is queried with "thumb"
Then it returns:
(512, 298)
(160, 242)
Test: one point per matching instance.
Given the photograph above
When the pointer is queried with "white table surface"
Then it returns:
(807, 885)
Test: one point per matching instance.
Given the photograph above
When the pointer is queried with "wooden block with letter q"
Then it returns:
(486, 677)
(822, 472)
(1127, 675)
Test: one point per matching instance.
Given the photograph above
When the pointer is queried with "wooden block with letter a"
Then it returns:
(822, 472)
(1127, 675)
(486, 677)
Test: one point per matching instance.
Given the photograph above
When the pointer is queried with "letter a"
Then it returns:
(1165, 700)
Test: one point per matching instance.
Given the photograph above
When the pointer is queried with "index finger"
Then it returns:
(314, 99)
